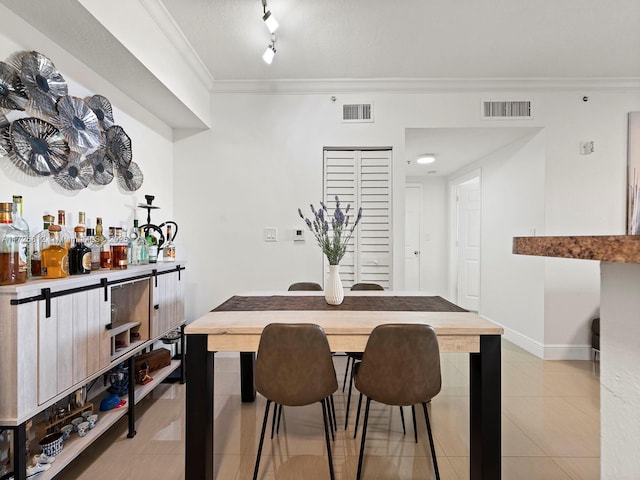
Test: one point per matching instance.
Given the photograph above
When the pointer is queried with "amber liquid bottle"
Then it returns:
(105, 254)
(118, 251)
(11, 269)
(55, 258)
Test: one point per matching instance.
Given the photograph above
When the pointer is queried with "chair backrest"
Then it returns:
(366, 286)
(400, 365)
(294, 365)
(306, 286)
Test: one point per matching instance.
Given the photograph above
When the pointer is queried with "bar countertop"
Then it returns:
(607, 248)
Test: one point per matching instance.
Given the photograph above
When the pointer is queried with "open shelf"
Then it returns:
(76, 444)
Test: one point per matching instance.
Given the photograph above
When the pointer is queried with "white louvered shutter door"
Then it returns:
(362, 178)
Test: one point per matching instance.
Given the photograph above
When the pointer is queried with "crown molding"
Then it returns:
(161, 16)
(421, 85)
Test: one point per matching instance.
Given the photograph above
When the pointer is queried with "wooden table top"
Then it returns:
(346, 330)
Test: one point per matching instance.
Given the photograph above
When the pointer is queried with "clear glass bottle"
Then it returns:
(55, 257)
(92, 243)
(169, 249)
(139, 255)
(79, 254)
(133, 235)
(40, 241)
(118, 247)
(103, 244)
(11, 271)
(21, 224)
(65, 233)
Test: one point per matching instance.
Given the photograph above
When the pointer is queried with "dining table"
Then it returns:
(236, 326)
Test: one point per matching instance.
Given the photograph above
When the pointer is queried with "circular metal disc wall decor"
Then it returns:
(76, 175)
(5, 140)
(130, 178)
(118, 145)
(78, 123)
(101, 106)
(102, 168)
(12, 93)
(39, 145)
(43, 82)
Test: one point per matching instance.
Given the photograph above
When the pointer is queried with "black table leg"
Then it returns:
(19, 440)
(247, 387)
(485, 410)
(199, 410)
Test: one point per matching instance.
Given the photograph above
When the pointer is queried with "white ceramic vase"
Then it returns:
(333, 291)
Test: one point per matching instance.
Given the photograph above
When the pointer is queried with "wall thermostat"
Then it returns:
(298, 235)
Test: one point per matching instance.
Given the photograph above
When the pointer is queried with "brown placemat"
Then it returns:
(351, 302)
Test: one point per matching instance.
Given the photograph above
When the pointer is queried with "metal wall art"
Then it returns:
(45, 131)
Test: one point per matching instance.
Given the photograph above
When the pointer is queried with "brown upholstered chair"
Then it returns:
(305, 286)
(400, 366)
(294, 368)
(366, 286)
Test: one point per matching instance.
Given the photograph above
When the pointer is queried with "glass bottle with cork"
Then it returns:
(91, 242)
(55, 257)
(38, 243)
(80, 254)
(11, 270)
(21, 224)
(65, 233)
(118, 246)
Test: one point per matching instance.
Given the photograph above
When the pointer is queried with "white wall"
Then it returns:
(263, 159)
(151, 143)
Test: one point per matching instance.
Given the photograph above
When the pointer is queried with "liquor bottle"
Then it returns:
(20, 223)
(38, 243)
(79, 254)
(141, 250)
(11, 271)
(118, 246)
(55, 257)
(132, 237)
(152, 248)
(92, 243)
(101, 240)
(169, 249)
(65, 234)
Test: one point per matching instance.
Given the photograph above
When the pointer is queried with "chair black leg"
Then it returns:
(364, 434)
(264, 427)
(279, 416)
(330, 418)
(346, 372)
(333, 410)
(275, 414)
(355, 428)
(415, 428)
(433, 450)
(346, 413)
(325, 416)
(404, 429)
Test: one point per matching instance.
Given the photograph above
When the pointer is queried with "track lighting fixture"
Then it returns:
(270, 52)
(268, 18)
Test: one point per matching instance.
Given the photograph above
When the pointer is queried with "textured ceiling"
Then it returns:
(415, 38)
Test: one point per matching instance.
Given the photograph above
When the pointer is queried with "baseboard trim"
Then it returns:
(548, 351)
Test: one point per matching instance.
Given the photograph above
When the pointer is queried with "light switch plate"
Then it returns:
(270, 234)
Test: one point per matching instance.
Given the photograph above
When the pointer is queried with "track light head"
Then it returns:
(270, 21)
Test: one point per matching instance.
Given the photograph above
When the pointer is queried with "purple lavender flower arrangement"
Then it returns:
(332, 232)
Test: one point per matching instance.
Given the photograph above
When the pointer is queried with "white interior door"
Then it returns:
(468, 243)
(412, 227)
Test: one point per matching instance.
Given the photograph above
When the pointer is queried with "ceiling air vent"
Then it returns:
(506, 109)
(357, 112)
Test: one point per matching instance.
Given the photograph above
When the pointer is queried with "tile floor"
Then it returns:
(550, 430)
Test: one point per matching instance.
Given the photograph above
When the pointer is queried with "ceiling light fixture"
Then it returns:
(270, 52)
(426, 158)
(268, 18)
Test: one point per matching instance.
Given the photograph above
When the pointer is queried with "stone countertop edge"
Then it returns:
(607, 248)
